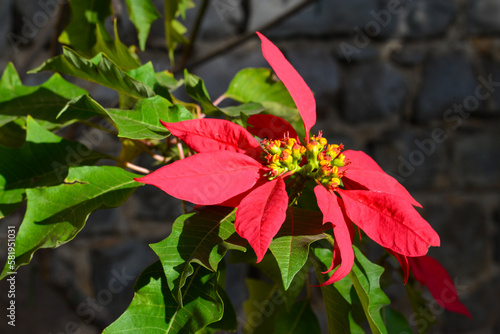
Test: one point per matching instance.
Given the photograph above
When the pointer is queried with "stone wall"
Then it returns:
(416, 84)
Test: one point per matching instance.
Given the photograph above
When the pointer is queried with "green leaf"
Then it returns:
(228, 323)
(341, 311)
(247, 108)
(56, 214)
(266, 311)
(365, 277)
(142, 14)
(13, 134)
(43, 102)
(269, 267)
(157, 81)
(174, 30)
(81, 105)
(290, 246)
(144, 121)
(396, 322)
(257, 85)
(264, 302)
(42, 161)
(201, 237)
(80, 33)
(99, 69)
(153, 310)
(422, 316)
(167, 79)
(195, 88)
(300, 319)
(122, 56)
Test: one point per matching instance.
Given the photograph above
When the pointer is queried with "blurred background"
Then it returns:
(415, 84)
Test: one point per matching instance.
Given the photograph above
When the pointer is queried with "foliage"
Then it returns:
(287, 206)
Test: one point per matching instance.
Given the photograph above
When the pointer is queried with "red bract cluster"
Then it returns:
(231, 168)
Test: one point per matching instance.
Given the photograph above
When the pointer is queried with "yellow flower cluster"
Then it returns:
(318, 160)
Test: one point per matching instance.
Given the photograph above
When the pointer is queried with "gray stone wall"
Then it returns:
(416, 84)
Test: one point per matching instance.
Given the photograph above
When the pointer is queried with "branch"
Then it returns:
(243, 38)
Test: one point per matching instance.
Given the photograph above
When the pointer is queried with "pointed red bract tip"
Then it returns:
(206, 178)
(429, 272)
(403, 261)
(390, 221)
(343, 254)
(297, 87)
(261, 214)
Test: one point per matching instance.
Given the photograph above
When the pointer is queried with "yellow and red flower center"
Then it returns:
(317, 160)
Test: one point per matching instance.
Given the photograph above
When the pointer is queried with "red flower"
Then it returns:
(231, 168)
(429, 272)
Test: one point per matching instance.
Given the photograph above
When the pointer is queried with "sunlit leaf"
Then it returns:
(56, 214)
(201, 237)
(174, 30)
(365, 277)
(42, 161)
(99, 69)
(43, 102)
(142, 14)
(153, 309)
(258, 86)
(342, 312)
(291, 244)
(144, 121)
(122, 56)
(195, 87)
(246, 108)
(80, 33)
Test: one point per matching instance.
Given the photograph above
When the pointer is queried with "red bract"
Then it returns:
(373, 200)
(432, 274)
(226, 166)
(231, 168)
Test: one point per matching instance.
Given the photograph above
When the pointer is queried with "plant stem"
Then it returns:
(181, 149)
(136, 168)
(244, 37)
(219, 100)
(186, 52)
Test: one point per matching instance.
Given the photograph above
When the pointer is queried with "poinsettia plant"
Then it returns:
(268, 191)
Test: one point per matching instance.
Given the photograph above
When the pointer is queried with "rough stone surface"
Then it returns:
(351, 52)
(120, 263)
(324, 78)
(428, 18)
(477, 159)
(5, 22)
(483, 297)
(483, 17)
(218, 72)
(415, 159)
(372, 92)
(491, 72)
(411, 55)
(328, 17)
(223, 19)
(448, 80)
(387, 95)
(461, 225)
